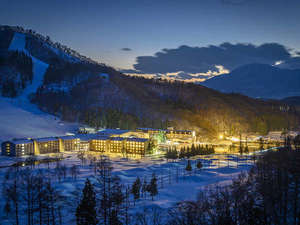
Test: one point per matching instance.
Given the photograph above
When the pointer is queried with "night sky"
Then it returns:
(116, 32)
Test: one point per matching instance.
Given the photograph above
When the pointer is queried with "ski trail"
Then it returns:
(18, 43)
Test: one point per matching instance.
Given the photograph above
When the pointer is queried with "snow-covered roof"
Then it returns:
(101, 138)
(152, 129)
(137, 139)
(69, 137)
(21, 141)
(117, 138)
(112, 131)
(45, 139)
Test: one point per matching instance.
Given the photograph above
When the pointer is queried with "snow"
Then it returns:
(18, 43)
(21, 119)
(18, 117)
(217, 169)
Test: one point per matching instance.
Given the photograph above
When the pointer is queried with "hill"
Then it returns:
(74, 88)
(258, 81)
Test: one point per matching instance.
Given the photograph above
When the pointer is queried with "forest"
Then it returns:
(130, 102)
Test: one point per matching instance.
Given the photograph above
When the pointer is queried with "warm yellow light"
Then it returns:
(221, 136)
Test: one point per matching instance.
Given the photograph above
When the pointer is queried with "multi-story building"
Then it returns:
(47, 145)
(18, 148)
(69, 143)
(99, 144)
(116, 145)
(180, 134)
(136, 145)
(170, 133)
(150, 132)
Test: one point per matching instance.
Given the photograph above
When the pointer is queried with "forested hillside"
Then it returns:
(78, 89)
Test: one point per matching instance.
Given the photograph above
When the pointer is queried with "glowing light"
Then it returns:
(221, 136)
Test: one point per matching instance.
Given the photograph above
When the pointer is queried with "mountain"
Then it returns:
(258, 81)
(37, 74)
(295, 100)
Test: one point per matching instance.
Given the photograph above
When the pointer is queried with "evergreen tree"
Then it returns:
(188, 166)
(86, 212)
(199, 165)
(144, 187)
(136, 188)
(152, 187)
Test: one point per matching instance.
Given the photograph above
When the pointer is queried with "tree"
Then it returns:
(199, 165)
(86, 212)
(144, 187)
(297, 142)
(152, 186)
(136, 189)
(261, 144)
(188, 166)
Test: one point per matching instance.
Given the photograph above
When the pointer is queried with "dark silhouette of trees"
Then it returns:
(136, 189)
(152, 186)
(86, 210)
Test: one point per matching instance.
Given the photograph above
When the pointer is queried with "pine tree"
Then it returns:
(199, 165)
(152, 187)
(188, 166)
(144, 187)
(86, 212)
(136, 189)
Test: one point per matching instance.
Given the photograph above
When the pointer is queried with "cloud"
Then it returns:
(126, 49)
(292, 63)
(179, 75)
(203, 59)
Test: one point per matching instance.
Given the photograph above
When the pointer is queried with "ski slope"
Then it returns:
(18, 117)
(18, 43)
(19, 120)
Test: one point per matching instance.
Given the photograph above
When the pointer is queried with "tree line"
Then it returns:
(189, 151)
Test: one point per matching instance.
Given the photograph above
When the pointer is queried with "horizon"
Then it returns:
(131, 35)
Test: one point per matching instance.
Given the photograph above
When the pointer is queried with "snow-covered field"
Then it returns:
(19, 119)
(172, 188)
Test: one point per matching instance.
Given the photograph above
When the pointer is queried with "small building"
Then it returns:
(19, 147)
(179, 134)
(150, 132)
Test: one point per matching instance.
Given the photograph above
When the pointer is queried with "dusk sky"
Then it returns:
(116, 32)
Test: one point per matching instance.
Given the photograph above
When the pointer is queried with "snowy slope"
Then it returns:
(17, 121)
(18, 117)
(18, 43)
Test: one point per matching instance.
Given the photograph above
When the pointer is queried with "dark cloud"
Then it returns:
(202, 59)
(126, 49)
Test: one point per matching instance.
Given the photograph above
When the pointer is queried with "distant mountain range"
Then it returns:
(258, 81)
(75, 88)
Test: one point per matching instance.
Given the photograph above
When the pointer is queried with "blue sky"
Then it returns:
(100, 29)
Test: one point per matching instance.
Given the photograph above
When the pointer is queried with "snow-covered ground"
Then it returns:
(18, 120)
(18, 43)
(217, 169)
(18, 117)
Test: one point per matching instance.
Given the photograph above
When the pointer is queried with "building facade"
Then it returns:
(18, 148)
